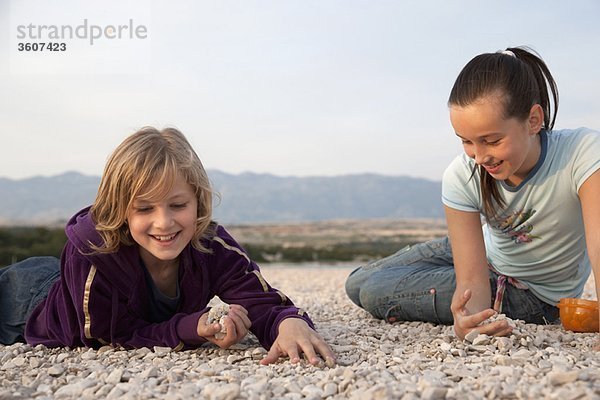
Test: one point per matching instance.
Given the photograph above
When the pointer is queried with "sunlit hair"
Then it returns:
(145, 166)
(521, 79)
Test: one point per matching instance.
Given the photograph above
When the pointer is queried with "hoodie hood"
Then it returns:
(81, 232)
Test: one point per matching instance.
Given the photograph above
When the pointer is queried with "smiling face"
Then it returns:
(507, 148)
(163, 227)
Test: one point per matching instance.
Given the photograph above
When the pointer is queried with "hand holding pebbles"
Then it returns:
(475, 337)
(500, 317)
(218, 314)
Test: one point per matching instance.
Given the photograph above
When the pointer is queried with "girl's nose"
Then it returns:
(481, 159)
(480, 156)
(164, 218)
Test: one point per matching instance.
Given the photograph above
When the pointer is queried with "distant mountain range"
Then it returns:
(245, 198)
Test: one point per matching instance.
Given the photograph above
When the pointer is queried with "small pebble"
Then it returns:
(55, 370)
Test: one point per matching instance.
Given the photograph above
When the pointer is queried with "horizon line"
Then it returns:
(208, 170)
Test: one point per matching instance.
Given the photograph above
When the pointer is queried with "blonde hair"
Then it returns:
(145, 165)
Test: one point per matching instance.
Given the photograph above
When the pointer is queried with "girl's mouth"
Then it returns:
(165, 238)
(492, 168)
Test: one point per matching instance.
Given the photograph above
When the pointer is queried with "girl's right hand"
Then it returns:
(236, 322)
(465, 322)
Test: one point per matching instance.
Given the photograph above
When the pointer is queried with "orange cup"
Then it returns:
(579, 315)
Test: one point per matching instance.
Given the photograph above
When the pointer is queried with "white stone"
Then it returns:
(292, 386)
(19, 361)
(560, 378)
(115, 376)
(218, 314)
(521, 353)
(162, 350)
(34, 362)
(62, 357)
(228, 391)
(445, 346)
(544, 364)
(434, 393)
(311, 391)
(506, 360)
(257, 386)
(503, 343)
(481, 340)
(150, 372)
(504, 370)
(55, 370)
(75, 389)
(115, 393)
(469, 337)
(105, 349)
(89, 355)
(329, 389)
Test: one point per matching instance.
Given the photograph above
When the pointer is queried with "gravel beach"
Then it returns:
(376, 360)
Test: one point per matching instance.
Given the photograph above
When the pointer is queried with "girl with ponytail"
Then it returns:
(521, 205)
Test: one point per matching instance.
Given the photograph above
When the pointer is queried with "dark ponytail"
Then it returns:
(523, 79)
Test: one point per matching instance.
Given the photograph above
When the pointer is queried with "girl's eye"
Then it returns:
(142, 209)
(179, 205)
(493, 142)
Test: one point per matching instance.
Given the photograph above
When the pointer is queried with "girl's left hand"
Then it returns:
(236, 323)
(296, 337)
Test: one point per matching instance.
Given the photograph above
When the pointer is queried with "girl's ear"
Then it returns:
(536, 118)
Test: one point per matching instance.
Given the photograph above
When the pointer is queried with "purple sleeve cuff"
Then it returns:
(187, 329)
(291, 312)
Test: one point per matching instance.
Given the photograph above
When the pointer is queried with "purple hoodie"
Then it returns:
(104, 299)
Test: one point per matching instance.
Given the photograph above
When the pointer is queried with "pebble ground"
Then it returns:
(376, 360)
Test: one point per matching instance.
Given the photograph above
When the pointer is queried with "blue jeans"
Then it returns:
(22, 287)
(417, 284)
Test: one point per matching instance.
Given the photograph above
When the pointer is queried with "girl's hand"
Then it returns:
(236, 322)
(295, 337)
(465, 322)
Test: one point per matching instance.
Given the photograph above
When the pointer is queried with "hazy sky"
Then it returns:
(285, 87)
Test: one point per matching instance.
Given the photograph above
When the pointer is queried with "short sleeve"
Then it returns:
(587, 156)
(460, 187)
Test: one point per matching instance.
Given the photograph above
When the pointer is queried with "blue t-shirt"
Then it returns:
(539, 236)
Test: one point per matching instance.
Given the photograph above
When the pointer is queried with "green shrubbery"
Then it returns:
(330, 253)
(17, 244)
